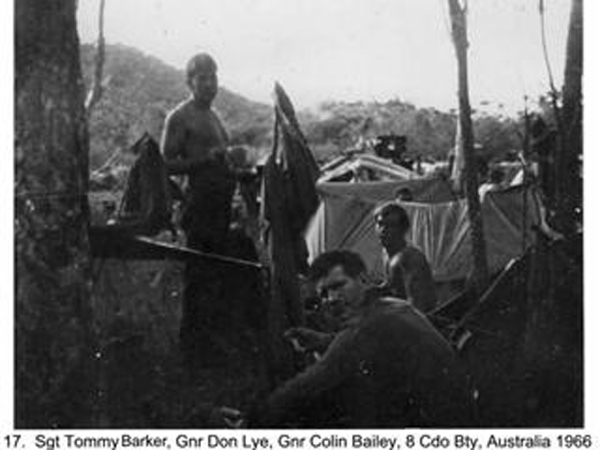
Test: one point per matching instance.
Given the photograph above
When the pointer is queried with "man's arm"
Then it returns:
(394, 285)
(293, 401)
(172, 143)
(418, 280)
(310, 340)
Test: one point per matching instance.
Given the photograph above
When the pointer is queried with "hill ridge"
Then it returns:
(141, 89)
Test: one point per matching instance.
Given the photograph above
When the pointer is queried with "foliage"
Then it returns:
(430, 132)
(497, 135)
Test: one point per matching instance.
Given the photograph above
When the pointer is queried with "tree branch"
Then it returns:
(553, 90)
(97, 88)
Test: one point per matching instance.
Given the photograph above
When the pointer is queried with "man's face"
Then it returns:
(204, 85)
(389, 230)
(340, 293)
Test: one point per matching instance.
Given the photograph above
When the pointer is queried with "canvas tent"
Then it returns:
(440, 226)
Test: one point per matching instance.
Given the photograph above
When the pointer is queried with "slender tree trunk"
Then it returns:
(97, 88)
(569, 195)
(52, 312)
(459, 37)
(568, 185)
(551, 359)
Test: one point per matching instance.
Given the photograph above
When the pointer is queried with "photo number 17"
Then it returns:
(12, 440)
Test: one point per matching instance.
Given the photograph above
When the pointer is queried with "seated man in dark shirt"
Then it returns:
(387, 368)
(408, 274)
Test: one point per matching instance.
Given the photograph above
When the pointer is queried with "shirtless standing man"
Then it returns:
(194, 144)
(408, 274)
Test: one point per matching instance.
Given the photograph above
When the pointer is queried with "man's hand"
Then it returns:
(305, 339)
(224, 417)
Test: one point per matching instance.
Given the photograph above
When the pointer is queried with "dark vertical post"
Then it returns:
(568, 185)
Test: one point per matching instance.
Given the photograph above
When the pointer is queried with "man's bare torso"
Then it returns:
(409, 276)
(199, 133)
(195, 144)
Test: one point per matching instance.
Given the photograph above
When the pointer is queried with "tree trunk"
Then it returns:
(459, 37)
(568, 184)
(551, 360)
(53, 336)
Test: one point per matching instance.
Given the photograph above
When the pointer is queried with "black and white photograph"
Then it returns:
(299, 214)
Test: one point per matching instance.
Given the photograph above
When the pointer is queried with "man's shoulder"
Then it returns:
(180, 110)
(385, 308)
(408, 255)
(412, 251)
(388, 301)
(411, 255)
(393, 318)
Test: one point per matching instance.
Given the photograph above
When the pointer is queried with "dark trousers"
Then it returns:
(205, 222)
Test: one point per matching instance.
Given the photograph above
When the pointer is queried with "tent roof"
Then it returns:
(424, 190)
(384, 168)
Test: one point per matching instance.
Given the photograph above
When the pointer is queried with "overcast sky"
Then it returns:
(346, 49)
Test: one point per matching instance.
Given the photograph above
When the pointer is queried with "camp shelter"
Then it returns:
(352, 166)
(439, 224)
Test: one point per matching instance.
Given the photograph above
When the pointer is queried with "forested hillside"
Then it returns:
(140, 89)
(429, 132)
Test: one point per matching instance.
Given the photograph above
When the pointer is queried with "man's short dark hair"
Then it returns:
(351, 262)
(392, 208)
(202, 62)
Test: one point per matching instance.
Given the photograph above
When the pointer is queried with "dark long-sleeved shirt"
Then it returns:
(389, 368)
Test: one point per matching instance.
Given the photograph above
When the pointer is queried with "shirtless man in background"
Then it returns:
(194, 144)
(408, 274)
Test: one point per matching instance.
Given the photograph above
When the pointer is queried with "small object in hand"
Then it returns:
(226, 417)
(294, 336)
(305, 339)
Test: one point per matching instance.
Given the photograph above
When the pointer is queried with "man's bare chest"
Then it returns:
(203, 132)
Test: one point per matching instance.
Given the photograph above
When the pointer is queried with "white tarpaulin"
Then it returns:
(440, 226)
